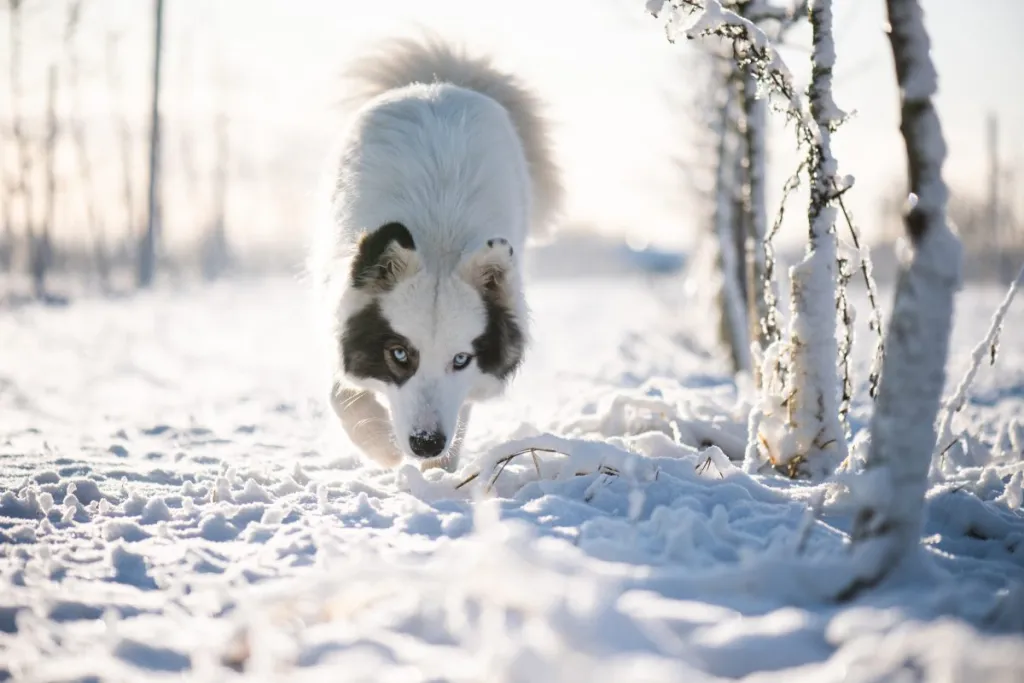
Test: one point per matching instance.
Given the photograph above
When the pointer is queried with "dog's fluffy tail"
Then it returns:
(399, 62)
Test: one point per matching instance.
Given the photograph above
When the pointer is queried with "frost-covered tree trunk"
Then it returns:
(101, 256)
(7, 234)
(735, 331)
(23, 187)
(708, 166)
(216, 257)
(738, 187)
(887, 527)
(811, 442)
(148, 243)
(124, 135)
(754, 122)
(40, 246)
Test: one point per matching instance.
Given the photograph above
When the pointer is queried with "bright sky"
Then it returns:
(603, 65)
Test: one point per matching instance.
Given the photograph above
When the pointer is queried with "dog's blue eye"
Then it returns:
(400, 355)
(461, 360)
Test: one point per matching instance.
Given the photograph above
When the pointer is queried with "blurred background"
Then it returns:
(247, 90)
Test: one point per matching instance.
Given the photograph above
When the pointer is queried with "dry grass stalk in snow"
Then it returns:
(502, 463)
(581, 458)
(887, 526)
(988, 346)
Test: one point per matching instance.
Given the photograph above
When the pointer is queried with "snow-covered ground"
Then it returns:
(175, 502)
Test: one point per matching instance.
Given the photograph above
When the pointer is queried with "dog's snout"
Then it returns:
(427, 444)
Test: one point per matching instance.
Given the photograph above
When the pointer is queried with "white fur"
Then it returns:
(456, 151)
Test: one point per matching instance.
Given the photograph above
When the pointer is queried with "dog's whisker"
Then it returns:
(372, 420)
(351, 401)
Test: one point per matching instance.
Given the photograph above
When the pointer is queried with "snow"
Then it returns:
(232, 534)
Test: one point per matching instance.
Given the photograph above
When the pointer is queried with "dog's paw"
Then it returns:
(500, 243)
(448, 462)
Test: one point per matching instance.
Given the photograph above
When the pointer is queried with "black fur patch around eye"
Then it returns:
(499, 350)
(364, 348)
(369, 266)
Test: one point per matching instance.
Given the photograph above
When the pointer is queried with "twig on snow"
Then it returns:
(503, 462)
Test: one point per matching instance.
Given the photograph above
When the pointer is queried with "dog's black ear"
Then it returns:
(384, 257)
(490, 269)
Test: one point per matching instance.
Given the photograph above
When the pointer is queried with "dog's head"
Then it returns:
(430, 341)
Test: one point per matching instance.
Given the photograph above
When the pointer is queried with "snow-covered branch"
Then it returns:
(887, 526)
(759, 10)
(752, 49)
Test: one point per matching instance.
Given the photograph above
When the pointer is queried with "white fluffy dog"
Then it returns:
(442, 173)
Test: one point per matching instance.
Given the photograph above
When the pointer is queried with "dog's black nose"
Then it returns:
(427, 444)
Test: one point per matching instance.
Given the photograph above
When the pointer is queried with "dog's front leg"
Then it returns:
(366, 422)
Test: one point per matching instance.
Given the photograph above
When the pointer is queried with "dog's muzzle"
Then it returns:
(427, 444)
